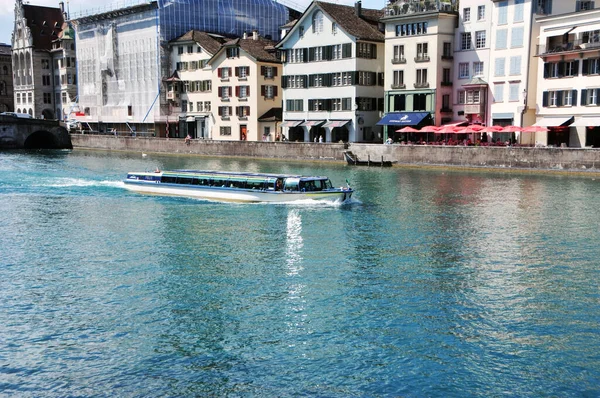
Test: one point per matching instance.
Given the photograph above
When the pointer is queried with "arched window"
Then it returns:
(30, 112)
(19, 110)
(317, 22)
(2, 88)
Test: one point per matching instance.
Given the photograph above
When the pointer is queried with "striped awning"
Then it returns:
(312, 123)
(291, 123)
(336, 123)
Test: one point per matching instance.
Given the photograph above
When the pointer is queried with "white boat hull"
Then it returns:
(236, 195)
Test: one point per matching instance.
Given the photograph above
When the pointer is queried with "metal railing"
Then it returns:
(573, 45)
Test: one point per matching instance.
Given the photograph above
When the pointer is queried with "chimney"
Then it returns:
(245, 35)
(61, 5)
(255, 34)
(358, 8)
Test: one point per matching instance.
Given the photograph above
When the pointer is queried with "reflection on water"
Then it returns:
(435, 283)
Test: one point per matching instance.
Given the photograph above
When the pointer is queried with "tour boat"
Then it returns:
(236, 187)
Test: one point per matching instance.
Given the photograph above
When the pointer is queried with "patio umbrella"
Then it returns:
(446, 130)
(511, 129)
(429, 129)
(474, 128)
(493, 129)
(407, 129)
(535, 129)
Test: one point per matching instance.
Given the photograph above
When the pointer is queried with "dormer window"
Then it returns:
(334, 28)
(301, 31)
(233, 52)
(44, 23)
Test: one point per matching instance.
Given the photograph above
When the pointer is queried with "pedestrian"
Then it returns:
(320, 138)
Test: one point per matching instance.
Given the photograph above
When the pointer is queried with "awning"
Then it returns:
(403, 118)
(291, 123)
(559, 32)
(336, 123)
(554, 121)
(585, 28)
(456, 123)
(190, 119)
(312, 123)
(587, 121)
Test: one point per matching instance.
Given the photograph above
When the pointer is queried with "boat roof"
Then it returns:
(230, 174)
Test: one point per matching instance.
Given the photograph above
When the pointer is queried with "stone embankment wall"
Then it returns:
(559, 159)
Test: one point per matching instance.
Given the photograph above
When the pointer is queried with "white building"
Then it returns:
(246, 86)
(419, 43)
(333, 74)
(568, 71)
(189, 88)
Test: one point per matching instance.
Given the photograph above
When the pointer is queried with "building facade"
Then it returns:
(246, 85)
(7, 103)
(568, 71)
(333, 75)
(189, 88)
(35, 28)
(65, 73)
(419, 49)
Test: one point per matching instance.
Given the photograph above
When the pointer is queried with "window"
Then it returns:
(398, 79)
(316, 105)
(591, 66)
(184, 106)
(591, 36)
(46, 80)
(501, 38)
(317, 22)
(513, 92)
(519, 7)
(552, 98)
(243, 92)
(447, 51)
(242, 72)
(515, 65)
(225, 130)
(224, 73)
(499, 92)
(190, 49)
(445, 102)
(366, 104)
(421, 77)
(336, 51)
(473, 96)
(584, 5)
(199, 106)
(499, 67)
(333, 28)
(463, 70)
(398, 54)
(269, 92)
(64, 97)
(366, 50)
(480, 39)
(207, 106)
(180, 50)
(480, 13)
(503, 13)
(462, 97)
(411, 29)
(592, 97)
(465, 41)
(466, 14)
(422, 54)
(269, 72)
(516, 37)
(567, 98)
(446, 75)
(47, 98)
(198, 49)
(224, 111)
(477, 68)
(233, 52)
(301, 31)
(366, 78)
(242, 111)
(224, 93)
(294, 105)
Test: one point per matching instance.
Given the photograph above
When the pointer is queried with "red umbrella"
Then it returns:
(511, 129)
(407, 129)
(535, 129)
(446, 130)
(494, 129)
(429, 129)
(474, 128)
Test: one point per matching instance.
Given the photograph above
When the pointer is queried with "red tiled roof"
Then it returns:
(45, 23)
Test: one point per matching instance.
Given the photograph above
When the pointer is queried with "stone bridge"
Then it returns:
(22, 133)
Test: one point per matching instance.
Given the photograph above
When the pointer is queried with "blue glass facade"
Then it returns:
(228, 17)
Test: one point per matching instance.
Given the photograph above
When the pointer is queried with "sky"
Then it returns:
(7, 9)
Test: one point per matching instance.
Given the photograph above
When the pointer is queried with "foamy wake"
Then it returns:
(80, 182)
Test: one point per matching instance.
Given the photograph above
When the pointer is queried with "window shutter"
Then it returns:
(220, 92)
(262, 70)
(576, 67)
(284, 80)
(373, 78)
(574, 97)
(305, 80)
(355, 77)
(247, 91)
(373, 103)
(219, 72)
(347, 50)
(237, 110)
(546, 70)
(327, 104)
(380, 106)
(274, 91)
(561, 69)
(327, 80)
(229, 90)
(220, 111)
(274, 71)
(230, 108)
(305, 55)
(585, 67)
(597, 94)
(311, 54)
(247, 111)
(577, 6)
(374, 51)
(559, 98)
(237, 91)
(545, 98)
(262, 91)
(380, 78)
(237, 71)
(584, 97)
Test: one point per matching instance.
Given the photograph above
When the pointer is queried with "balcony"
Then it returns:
(446, 83)
(422, 58)
(397, 61)
(408, 7)
(422, 85)
(474, 109)
(447, 57)
(553, 48)
(398, 86)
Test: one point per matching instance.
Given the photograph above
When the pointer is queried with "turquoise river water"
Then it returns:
(432, 283)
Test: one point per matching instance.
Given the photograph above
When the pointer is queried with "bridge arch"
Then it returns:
(41, 139)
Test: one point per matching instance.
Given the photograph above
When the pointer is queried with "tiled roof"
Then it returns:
(45, 23)
(272, 115)
(5, 49)
(211, 43)
(364, 27)
(289, 24)
(257, 49)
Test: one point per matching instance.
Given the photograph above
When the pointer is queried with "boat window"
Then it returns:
(255, 184)
(184, 180)
(168, 180)
(237, 183)
(219, 182)
(291, 184)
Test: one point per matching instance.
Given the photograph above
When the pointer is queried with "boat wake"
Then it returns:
(79, 182)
